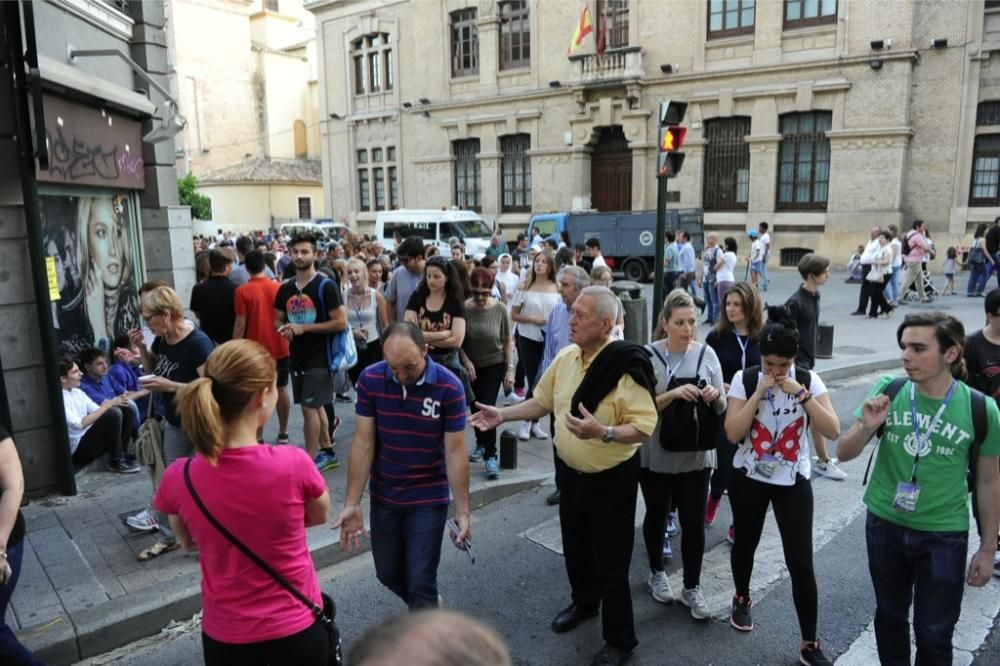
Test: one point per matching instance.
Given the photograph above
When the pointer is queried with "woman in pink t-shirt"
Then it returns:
(265, 496)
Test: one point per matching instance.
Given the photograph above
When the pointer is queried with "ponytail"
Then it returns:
(201, 417)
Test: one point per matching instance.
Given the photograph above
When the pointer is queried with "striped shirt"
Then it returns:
(410, 424)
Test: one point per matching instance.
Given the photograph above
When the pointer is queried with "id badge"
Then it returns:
(765, 466)
(906, 497)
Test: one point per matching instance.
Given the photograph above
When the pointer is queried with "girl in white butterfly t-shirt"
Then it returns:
(772, 468)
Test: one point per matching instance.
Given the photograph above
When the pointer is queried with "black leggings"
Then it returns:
(688, 492)
(878, 301)
(793, 511)
(725, 450)
(109, 433)
(530, 352)
(309, 647)
(486, 387)
(371, 354)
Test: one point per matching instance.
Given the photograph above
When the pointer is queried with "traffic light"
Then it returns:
(671, 138)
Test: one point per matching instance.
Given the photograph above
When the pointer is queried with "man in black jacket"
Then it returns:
(601, 420)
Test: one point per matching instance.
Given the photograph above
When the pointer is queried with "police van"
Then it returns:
(434, 227)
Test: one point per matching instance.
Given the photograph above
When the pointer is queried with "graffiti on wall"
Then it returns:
(93, 240)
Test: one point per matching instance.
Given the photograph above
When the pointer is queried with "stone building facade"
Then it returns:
(821, 117)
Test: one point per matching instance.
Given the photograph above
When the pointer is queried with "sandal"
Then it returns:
(157, 549)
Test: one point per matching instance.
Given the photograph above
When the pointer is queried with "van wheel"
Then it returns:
(635, 271)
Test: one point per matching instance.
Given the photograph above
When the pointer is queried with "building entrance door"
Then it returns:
(611, 171)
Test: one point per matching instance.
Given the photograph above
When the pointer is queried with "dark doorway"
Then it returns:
(611, 171)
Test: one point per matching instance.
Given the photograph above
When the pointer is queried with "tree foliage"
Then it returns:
(187, 189)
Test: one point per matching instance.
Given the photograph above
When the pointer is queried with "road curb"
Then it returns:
(123, 620)
(846, 372)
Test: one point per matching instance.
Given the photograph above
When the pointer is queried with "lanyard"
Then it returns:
(671, 373)
(919, 439)
(743, 349)
(356, 309)
(777, 424)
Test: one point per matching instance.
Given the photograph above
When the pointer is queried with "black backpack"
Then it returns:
(905, 244)
(979, 427)
(687, 426)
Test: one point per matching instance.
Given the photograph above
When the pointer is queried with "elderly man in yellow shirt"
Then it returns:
(596, 462)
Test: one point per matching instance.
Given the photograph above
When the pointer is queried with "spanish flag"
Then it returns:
(584, 27)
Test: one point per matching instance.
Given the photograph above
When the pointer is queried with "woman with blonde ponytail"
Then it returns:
(265, 496)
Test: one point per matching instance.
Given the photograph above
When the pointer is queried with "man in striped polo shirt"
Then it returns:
(410, 441)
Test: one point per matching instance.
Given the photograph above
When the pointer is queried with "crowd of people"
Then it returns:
(534, 336)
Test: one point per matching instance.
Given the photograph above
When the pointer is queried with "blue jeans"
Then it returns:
(711, 298)
(977, 279)
(764, 280)
(406, 546)
(892, 289)
(925, 568)
(12, 652)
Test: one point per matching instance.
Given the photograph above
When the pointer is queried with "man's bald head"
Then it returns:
(430, 638)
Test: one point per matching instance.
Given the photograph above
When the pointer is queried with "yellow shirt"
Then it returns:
(628, 404)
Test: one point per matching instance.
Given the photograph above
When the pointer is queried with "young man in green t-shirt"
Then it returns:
(918, 512)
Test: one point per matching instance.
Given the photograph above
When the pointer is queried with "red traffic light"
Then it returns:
(669, 164)
(672, 138)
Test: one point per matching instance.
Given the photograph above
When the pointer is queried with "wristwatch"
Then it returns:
(609, 435)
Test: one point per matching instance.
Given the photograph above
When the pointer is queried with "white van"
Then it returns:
(435, 227)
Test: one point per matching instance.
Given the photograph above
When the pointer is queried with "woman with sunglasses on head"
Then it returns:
(436, 306)
(531, 307)
(367, 315)
(676, 467)
(488, 356)
(265, 496)
(176, 357)
(736, 341)
(771, 408)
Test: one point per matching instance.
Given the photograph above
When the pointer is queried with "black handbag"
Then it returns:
(327, 614)
(684, 425)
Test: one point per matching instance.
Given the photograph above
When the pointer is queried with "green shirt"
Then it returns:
(943, 505)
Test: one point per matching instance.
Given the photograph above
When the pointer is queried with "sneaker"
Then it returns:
(740, 617)
(538, 432)
(671, 524)
(282, 438)
(812, 655)
(668, 551)
(130, 458)
(122, 466)
(731, 534)
(513, 398)
(712, 509)
(477, 454)
(492, 469)
(524, 432)
(695, 600)
(830, 470)
(142, 522)
(519, 393)
(343, 397)
(659, 587)
(325, 461)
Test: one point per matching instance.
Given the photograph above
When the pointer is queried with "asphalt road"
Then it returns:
(518, 584)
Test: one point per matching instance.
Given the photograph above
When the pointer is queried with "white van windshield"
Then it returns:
(466, 229)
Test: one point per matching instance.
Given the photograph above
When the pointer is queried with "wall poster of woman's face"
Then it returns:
(94, 240)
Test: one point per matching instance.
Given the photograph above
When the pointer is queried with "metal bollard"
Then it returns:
(508, 450)
(824, 341)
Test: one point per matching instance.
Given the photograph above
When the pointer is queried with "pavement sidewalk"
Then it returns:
(82, 592)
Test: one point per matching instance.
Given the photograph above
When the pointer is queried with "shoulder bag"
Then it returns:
(327, 614)
(149, 445)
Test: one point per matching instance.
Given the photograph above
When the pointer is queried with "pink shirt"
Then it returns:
(918, 247)
(258, 493)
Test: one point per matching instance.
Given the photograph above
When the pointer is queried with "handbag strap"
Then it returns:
(314, 608)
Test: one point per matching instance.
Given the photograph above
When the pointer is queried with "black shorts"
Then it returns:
(312, 387)
(282, 364)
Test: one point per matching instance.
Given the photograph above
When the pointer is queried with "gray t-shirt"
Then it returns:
(652, 455)
(240, 275)
(402, 284)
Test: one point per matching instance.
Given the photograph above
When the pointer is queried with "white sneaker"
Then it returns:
(830, 470)
(695, 600)
(524, 433)
(538, 432)
(512, 399)
(142, 521)
(659, 587)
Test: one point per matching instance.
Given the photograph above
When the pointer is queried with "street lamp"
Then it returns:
(173, 122)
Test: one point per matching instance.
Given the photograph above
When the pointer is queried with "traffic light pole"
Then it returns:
(659, 239)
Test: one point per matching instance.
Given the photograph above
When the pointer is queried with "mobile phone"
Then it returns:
(466, 544)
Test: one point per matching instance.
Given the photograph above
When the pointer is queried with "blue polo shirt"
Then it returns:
(410, 423)
(99, 391)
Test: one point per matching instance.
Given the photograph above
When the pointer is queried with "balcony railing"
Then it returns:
(613, 65)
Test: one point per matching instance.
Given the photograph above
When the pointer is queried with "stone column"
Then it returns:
(166, 225)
